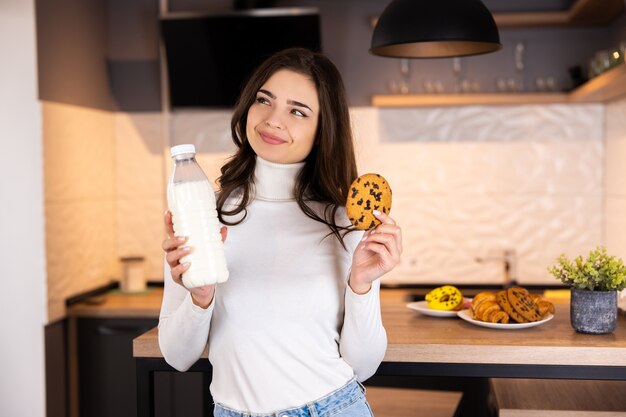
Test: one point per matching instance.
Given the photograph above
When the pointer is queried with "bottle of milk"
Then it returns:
(191, 200)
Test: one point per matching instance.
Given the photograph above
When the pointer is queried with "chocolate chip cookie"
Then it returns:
(368, 192)
(520, 299)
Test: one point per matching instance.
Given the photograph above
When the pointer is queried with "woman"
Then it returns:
(297, 325)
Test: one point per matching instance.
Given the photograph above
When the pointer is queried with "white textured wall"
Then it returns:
(81, 198)
(473, 181)
(22, 255)
(615, 197)
(467, 181)
(140, 184)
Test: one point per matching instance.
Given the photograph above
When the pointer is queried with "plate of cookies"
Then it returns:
(445, 301)
(513, 308)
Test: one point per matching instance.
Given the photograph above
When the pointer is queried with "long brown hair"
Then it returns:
(329, 168)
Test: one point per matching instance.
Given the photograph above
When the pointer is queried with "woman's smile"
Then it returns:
(271, 139)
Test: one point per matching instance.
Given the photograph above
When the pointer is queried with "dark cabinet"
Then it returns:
(182, 395)
(106, 371)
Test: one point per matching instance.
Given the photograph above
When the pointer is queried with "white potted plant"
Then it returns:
(595, 282)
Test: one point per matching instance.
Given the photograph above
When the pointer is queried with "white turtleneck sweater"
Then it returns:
(285, 329)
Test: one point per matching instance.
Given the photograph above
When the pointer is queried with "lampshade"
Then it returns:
(435, 29)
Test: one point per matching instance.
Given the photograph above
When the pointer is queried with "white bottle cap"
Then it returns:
(181, 149)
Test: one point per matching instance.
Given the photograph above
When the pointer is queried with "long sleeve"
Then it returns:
(363, 340)
(183, 326)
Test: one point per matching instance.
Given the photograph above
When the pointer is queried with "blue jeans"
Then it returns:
(347, 401)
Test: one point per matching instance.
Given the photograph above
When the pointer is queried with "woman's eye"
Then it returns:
(262, 100)
(298, 113)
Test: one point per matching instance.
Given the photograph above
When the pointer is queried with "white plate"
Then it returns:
(422, 307)
(467, 316)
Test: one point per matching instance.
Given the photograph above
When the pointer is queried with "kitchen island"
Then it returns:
(427, 346)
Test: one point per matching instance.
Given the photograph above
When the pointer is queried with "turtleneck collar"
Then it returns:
(275, 182)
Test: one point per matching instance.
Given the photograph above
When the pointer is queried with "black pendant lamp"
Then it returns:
(435, 29)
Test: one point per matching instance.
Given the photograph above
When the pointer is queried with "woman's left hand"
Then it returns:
(378, 253)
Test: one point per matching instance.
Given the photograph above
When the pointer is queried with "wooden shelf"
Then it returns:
(440, 100)
(580, 13)
(608, 86)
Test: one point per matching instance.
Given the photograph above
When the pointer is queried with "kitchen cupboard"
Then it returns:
(105, 366)
(106, 373)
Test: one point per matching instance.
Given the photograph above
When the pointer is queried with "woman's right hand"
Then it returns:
(174, 251)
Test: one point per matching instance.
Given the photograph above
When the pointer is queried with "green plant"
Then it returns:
(599, 272)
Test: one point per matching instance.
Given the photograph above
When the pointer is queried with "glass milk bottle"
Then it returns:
(191, 200)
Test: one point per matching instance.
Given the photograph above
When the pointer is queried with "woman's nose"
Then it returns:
(273, 121)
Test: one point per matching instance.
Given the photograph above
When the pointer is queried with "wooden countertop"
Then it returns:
(416, 338)
(116, 304)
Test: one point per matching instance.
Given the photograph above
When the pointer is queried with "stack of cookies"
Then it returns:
(514, 305)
